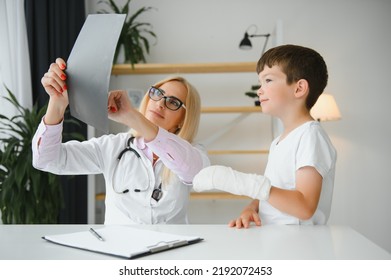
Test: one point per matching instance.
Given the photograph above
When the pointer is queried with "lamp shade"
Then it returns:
(325, 109)
(245, 44)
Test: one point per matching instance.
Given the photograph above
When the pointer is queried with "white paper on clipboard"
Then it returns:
(123, 241)
(89, 68)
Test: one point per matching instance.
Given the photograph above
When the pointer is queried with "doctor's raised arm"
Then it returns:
(148, 170)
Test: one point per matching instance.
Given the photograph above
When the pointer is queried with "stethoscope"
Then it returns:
(157, 193)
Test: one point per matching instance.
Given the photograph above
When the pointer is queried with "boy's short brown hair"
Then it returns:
(297, 63)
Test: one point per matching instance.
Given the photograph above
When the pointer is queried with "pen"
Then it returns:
(97, 235)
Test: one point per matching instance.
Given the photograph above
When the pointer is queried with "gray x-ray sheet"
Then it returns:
(89, 69)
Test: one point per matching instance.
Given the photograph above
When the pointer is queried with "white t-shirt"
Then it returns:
(307, 145)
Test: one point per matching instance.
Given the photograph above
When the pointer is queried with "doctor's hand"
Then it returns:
(119, 107)
(120, 110)
(54, 83)
(54, 79)
(248, 215)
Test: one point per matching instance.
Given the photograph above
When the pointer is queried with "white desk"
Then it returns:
(220, 243)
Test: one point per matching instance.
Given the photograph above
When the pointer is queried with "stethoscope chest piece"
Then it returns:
(157, 193)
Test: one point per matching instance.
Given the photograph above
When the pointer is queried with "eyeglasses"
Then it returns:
(170, 102)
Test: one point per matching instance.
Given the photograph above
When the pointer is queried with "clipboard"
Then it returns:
(123, 241)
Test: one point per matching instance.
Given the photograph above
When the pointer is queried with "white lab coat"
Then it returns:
(137, 175)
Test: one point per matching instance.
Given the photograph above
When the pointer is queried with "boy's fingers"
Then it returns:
(239, 223)
(232, 223)
(256, 219)
(246, 222)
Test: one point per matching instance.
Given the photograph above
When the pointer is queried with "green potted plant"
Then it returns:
(132, 38)
(253, 94)
(27, 195)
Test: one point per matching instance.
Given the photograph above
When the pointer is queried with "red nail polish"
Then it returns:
(65, 87)
(62, 66)
(63, 77)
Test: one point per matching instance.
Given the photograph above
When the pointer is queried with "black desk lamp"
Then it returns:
(245, 44)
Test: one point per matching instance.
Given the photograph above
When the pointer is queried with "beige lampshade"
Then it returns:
(325, 109)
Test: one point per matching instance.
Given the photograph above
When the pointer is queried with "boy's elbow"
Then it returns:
(307, 213)
(306, 216)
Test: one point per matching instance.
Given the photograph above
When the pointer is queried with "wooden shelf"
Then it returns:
(195, 195)
(216, 195)
(100, 196)
(237, 152)
(159, 68)
(244, 110)
(237, 109)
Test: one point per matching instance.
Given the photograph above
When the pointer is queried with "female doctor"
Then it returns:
(149, 171)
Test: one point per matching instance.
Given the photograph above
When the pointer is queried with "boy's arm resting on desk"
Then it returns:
(229, 180)
(300, 202)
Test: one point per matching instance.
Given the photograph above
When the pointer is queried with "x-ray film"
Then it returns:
(89, 69)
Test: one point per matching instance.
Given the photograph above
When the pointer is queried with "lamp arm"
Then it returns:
(259, 35)
(264, 45)
(262, 35)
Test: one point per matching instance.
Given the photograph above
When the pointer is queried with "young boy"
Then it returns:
(298, 183)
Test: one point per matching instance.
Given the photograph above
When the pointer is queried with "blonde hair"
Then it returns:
(189, 128)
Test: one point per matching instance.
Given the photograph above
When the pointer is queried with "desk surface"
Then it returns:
(220, 243)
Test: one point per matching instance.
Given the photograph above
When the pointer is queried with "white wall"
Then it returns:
(352, 36)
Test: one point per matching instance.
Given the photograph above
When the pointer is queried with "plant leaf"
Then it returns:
(25, 195)
(130, 36)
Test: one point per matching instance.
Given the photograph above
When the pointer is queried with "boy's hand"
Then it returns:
(248, 215)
